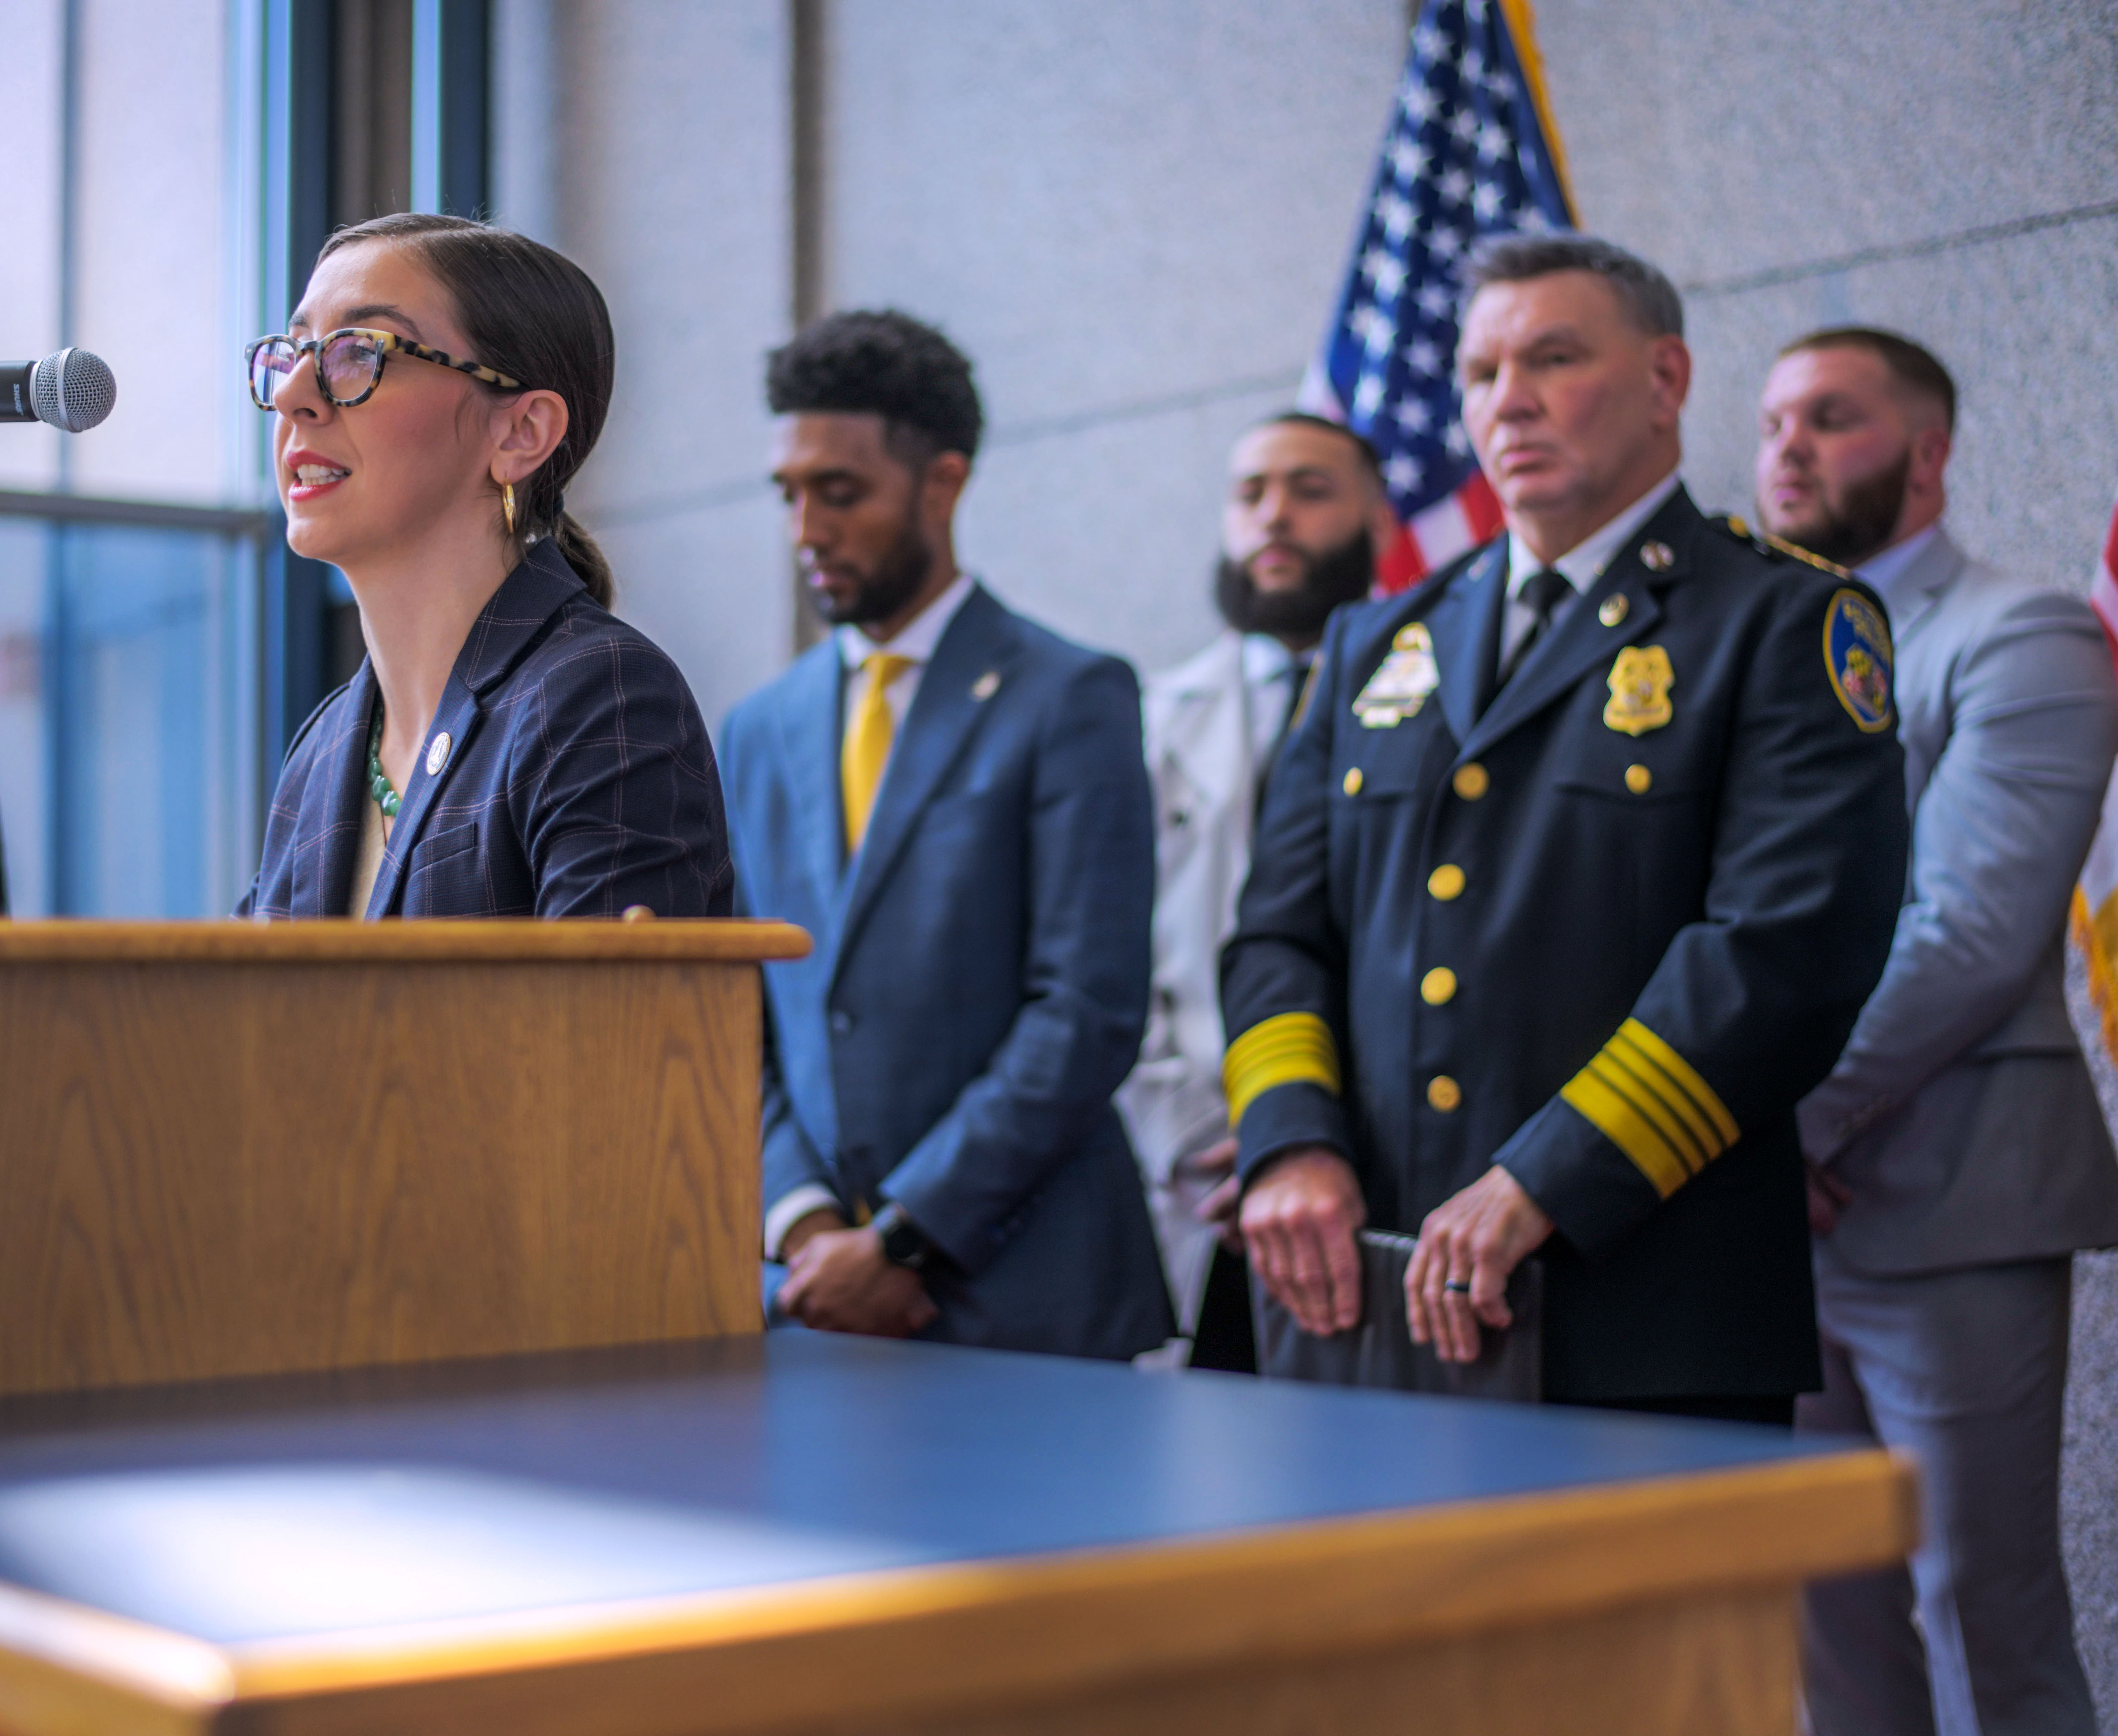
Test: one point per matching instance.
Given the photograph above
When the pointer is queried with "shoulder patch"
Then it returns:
(1858, 658)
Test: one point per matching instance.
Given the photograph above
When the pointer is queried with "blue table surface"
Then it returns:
(274, 1508)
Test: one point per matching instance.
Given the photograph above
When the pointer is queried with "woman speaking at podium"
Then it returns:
(508, 748)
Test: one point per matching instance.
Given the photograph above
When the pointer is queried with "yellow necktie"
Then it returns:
(866, 749)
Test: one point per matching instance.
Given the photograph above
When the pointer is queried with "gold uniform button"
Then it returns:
(1352, 786)
(1444, 1093)
(1471, 781)
(1614, 610)
(1438, 985)
(1447, 882)
(1638, 779)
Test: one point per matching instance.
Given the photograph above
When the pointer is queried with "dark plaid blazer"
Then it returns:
(577, 779)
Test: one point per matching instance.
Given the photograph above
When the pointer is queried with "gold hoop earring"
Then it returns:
(507, 504)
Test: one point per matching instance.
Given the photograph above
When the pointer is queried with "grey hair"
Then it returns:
(1650, 299)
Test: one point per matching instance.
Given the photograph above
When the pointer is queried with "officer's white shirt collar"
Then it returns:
(1583, 565)
(1884, 572)
(918, 636)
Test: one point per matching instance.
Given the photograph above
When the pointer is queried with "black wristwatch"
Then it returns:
(904, 1242)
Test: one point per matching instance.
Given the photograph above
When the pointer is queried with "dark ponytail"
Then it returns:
(585, 558)
(532, 314)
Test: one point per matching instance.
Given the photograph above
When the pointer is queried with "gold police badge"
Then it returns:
(1399, 687)
(1640, 680)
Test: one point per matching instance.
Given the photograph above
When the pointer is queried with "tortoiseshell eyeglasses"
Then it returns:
(349, 364)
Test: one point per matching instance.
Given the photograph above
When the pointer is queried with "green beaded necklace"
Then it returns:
(378, 786)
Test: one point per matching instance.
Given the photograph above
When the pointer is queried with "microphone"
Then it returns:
(72, 390)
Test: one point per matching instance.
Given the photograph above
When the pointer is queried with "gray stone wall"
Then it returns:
(650, 141)
(1949, 168)
(1134, 217)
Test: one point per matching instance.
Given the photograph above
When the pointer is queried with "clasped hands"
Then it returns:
(839, 1281)
(1299, 1220)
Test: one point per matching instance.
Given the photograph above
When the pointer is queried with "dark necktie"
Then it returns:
(1296, 676)
(1543, 592)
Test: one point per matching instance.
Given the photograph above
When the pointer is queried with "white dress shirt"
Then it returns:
(1272, 680)
(917, 641)
(1581, 566)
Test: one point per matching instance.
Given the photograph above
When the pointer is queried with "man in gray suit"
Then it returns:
(1959, 1157)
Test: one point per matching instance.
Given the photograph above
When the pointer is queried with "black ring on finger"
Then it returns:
(1457, 1287)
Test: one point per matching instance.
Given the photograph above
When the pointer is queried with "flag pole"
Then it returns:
(1521, 17)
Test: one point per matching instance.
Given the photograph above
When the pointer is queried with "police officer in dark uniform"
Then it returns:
(1569, 885)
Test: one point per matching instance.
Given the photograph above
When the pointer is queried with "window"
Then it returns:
(169, 187)
(129, 554)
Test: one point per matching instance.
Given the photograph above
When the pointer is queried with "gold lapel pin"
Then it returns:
(986, 686)
(1613, 611)
(1656, 557)
(437, 755)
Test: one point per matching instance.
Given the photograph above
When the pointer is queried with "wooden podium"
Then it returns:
(239, 1148)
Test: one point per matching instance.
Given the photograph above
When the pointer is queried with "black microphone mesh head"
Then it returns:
(72, 390)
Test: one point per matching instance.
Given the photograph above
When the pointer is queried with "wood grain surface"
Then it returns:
(249, 1165)
(1718, 1666)
(1650, 1609)
(504, 941)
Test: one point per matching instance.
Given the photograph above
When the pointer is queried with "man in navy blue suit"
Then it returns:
(954, 802)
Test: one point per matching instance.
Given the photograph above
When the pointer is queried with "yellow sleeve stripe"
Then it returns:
(1686, 1078)
(1652, 1104)
(1628, 1129)
(1636, 1092)
(1287, 1049)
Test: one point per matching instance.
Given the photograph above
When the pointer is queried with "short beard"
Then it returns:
(1861, 526)
(883, 593)
(1342, 575)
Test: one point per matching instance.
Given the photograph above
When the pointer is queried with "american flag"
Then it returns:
(1471, 151)
(2096, 899)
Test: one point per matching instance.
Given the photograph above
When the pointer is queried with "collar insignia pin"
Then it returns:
(1614, 610)
(986, 686)
(1656, 557)
(437, 755)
